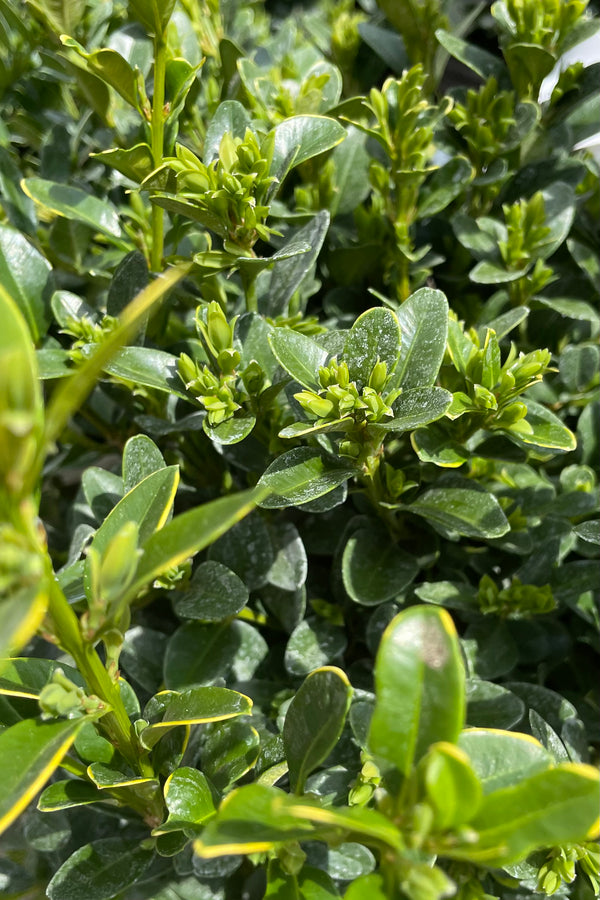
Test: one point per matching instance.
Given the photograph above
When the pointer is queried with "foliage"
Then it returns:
(298, 451)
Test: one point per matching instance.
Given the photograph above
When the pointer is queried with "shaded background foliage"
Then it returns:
(343, 337)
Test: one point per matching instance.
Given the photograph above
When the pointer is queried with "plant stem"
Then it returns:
(116, 723)
(157, 127)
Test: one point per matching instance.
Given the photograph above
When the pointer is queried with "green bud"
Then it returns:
(228, 360)
(349, 448)
(118, 564)
(318, 406)
(219, 331)
(378, 376)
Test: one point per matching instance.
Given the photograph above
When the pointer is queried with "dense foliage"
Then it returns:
(299, 522)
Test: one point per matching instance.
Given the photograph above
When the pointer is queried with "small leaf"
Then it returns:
(547, 429)
(229, 752)
(25, 676)
(201, 653)
(67, 794)
(445, 185)
(480, 61)
(189, 800)
(100, 870)
(374, 569)
(313, 643)
(314, 722)
(452, 787)
(136, 163)
(195, 706)
(503, 759)
(374, 336)
(288, 274)
(418, 406)
(299, 476)
(30, 751)
(215, 592)
(141, 458)
(230, 118)
(152, 368)
(300, 356)
(419, 687)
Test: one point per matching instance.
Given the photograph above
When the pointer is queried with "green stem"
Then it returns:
(249, 282)
(116, 723)
(157, 127)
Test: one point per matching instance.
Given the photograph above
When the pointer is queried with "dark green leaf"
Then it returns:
(374, 336)
(299, 476)
(374, 569)
(462, 509)
(214, 593)
(423, 320)
(100, 870)
(300, 356)
(312, 644)
(73, 203)
(26, 275)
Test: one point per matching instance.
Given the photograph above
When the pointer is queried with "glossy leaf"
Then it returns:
(111, 67)
(503, 759)
(288, 274)
(374, 569)
(230, 118)
(26, 275)
(141, 458)
(418, 406)
(313, 643)
(300, 356)
(423, 320)
(546, 429)
(152, 368)
(299, 476)
(214, 593)
(301, 138)
(374, 336)
(229, 752)
(189, 799)
(462, 509)
(453, 789)
(100, 870)
(30, 751)
(314, 722)
(546, 809)
(26, 676)
(190, 532)
(73, 203)
(67, 794)
(419, 687)
(136, 163)
(195, 706)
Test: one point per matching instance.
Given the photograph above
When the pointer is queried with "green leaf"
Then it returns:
(445, 185)
(489, 272)
(200, 654)
(299, 476)
(189, 800)
(374, 569)
(136, 163)
(490, 705)
(547, 430)
(25, 676)
(214, 593)
(418, 406)
(480, 61)
(313, 643)
(73, 203)
(310, 884)
(26, 275)
(232, 431)
(462, 508)
(153, 14)
(67, 794)
(452, 787)
(314, 722)
(30, 751)
(419, 687)
(131, 276)
(374, 336)
(111, 67)
(195, 706)
(351, 177)
(503, 759)
(432, 444)
(300, 138)
(19, 208)
(108, 777)
(423, 320)
(229, 752)
(53, 363)
(589, 531)
(300, 356)
(371, 886)
(141, 458)
(247, 550)
(100, 870)
(230, 118)
(147, 505)
(149, 367)
(288, 274)
(548, 808)
(189, 533)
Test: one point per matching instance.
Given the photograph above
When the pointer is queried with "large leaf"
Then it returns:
(547, 430)
(230, 750)
(147, 366)
(374, 336)
(301, 475)
(26, 275)
(201, 653)
(73, 203)
(153, 14)
(419, 687)
(502, 759)
(195, 706)
(100, 870)
(416, 407)
(553, 807)
(230, 118)
(30, 751)
(288, 274)
(462, 508)
(314, 722)
(189, 800)
(300, 138)
(423, 320)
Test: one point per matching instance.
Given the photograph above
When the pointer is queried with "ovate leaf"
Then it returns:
(73, 203)
(419, 687)
(423, 320)
(314, 722)
(301, 475)
(374, 336)
(100, 870)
